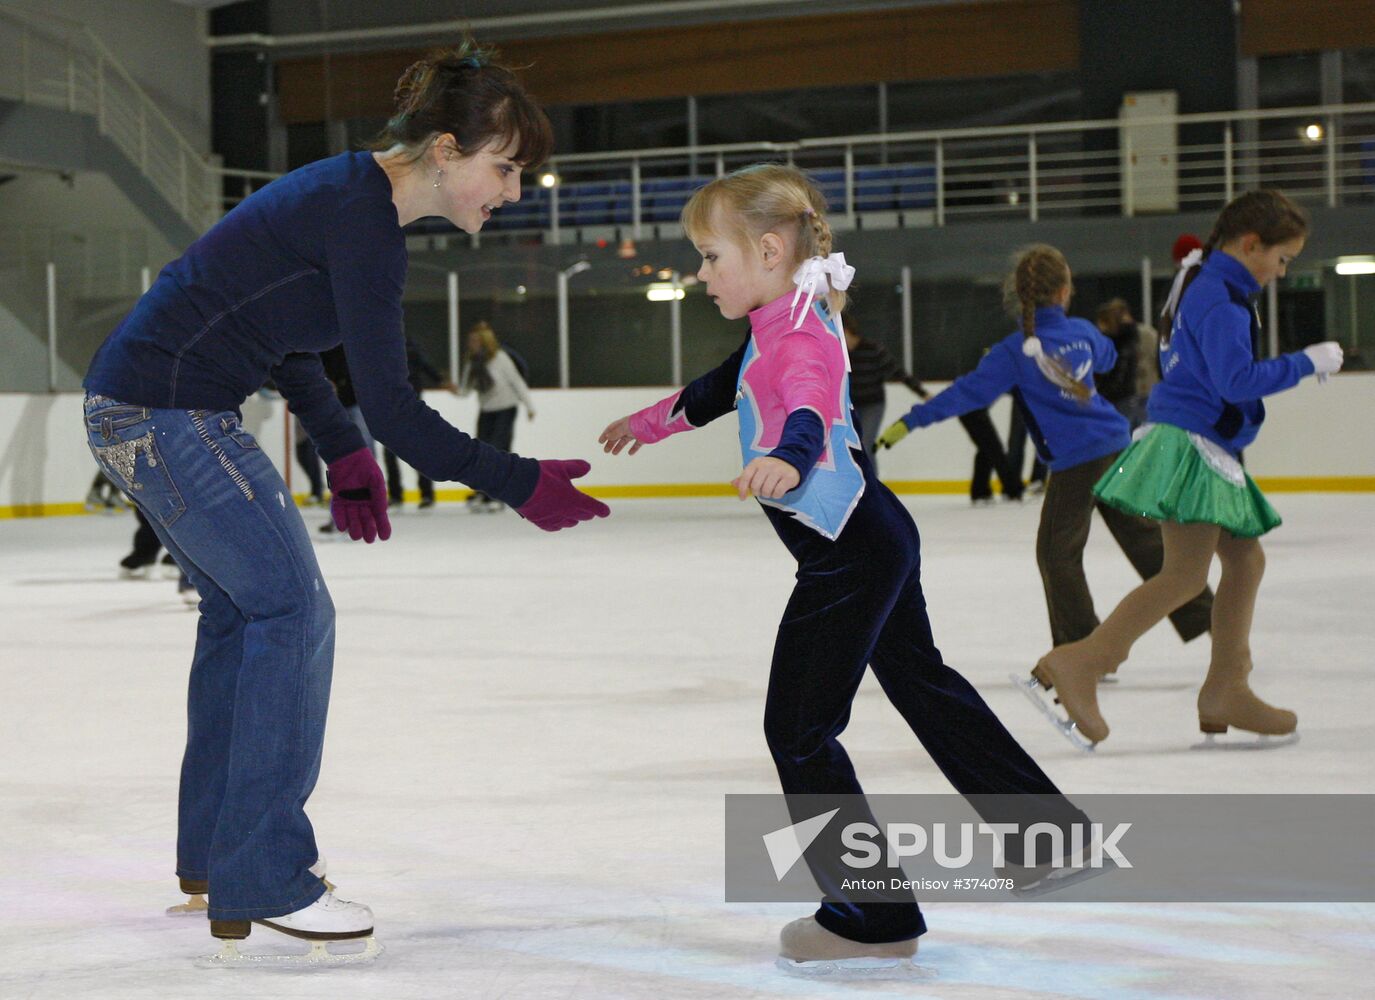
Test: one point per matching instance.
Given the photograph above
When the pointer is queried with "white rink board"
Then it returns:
(1313, 431)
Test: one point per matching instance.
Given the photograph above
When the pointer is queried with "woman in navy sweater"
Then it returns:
(1185, 470)
(314, 259)
(1048, 366)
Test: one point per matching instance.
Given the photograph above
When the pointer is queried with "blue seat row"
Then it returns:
(608, 203)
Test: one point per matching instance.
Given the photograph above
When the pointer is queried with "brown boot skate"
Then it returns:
(195, 905)
(1230, 702)
(1075, 690)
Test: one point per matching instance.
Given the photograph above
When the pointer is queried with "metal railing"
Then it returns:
(1323, 154)
(93, 263)
(236, 184)
(57, 63)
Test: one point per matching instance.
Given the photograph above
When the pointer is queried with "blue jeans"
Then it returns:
(264, 648)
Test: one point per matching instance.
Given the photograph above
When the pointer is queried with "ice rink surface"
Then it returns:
(530, 736)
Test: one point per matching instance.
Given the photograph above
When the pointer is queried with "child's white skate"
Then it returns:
(808, 949)
(1043, 698)
(339, 933)
(197, 889)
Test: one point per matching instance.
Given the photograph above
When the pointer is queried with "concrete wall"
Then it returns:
(1317, 436)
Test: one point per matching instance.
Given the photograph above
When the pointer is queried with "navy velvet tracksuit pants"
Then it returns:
(858, 602)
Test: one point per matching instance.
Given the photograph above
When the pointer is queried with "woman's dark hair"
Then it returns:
(465, 92)
(1269, 213)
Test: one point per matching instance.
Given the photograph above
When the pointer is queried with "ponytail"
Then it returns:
(766, 197)
(1268, 213)
(1040, 274)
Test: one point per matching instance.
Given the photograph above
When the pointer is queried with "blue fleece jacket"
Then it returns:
(1210, 382)
(314, 259)
(1066, 432)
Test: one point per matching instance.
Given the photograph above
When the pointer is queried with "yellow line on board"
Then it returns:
(927, 485)
(1271, 484)
(1317, 484)
(41, 510)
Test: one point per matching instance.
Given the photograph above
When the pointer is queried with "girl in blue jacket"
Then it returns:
(1185, 471)
(1048, 367)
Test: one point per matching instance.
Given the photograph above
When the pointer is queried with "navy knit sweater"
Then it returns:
(314, 259)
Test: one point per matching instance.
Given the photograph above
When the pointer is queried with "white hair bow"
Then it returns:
(812, 277)
(1177, 289)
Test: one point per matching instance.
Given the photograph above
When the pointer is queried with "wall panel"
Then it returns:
(995, 38)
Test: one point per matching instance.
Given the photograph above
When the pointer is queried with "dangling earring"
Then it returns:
(438, 176)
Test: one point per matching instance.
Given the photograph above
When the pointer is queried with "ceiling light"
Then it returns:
(659, 292)
(1356, 265)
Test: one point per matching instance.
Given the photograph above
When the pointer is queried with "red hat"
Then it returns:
(1183, 246)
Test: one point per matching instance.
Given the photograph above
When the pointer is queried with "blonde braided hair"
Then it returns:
(765, 198)
(1038, 278)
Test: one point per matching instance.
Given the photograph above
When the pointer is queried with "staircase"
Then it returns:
(57, 81)
(67, 106)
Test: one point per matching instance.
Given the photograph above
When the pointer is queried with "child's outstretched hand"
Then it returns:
(617, 435)
(895, 433)
(766, 477)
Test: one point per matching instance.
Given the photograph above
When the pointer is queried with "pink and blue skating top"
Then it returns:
(790, 384)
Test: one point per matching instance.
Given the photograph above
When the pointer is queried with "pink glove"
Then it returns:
(358, 496)
(556, 502)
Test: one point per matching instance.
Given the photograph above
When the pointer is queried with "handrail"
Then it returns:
(977, 132)
(1092, 124)
(258, 175)
(94, 81)
(931, 176)
(152, 105)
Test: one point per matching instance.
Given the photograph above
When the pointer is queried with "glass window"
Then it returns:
(1008, 100)
(305, 143)
(785, 115)
(1289, 81)
(598, 128)
(1358, 75)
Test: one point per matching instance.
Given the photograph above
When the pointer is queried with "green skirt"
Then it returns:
(1169, 474)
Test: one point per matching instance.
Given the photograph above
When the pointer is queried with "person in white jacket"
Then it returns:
(500, 387)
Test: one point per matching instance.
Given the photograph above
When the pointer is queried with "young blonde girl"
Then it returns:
(490, 370)
(766, 256)
(1048, 366)
(1185, 470)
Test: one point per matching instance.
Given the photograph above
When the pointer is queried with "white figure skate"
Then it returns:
(329, 924)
